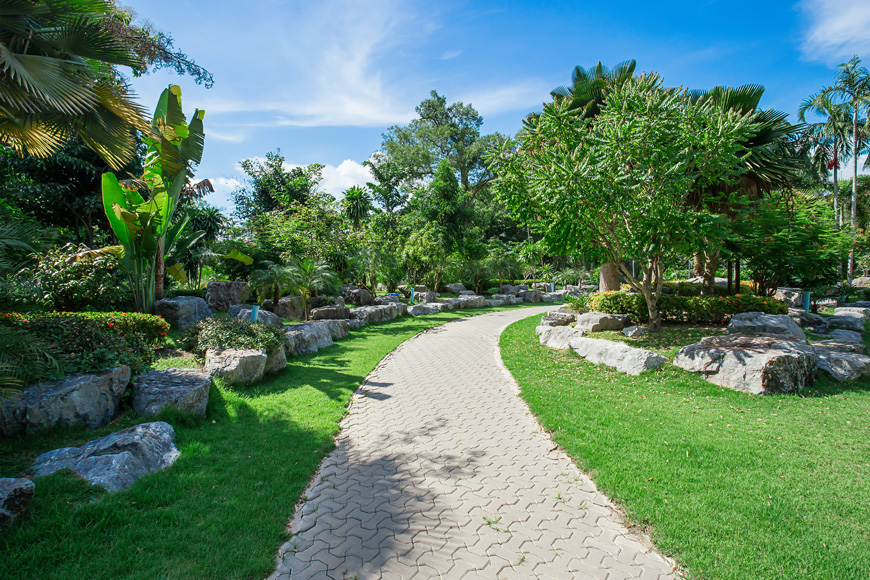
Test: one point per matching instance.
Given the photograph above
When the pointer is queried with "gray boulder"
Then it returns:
(761, 323)
(388, 299)
(78, 400)
(859, 304)
(494, 303)
(753, 363)
(861, 282)
(357, 296)
(337, 328)
(307, 338)
(557, 337)
(425, 297)
(530, 295)
(220, 295)
(853, 311)
(844, 335)
(854, 322)
(356, 323)
(843, 366)
(182, 312)
(330, 313)
(617, 355)
(632, 331)
(183, 389)
(276, 361)
(598, 321)
(793, 297)
(836, 345)
(420, 289)
(455, 288)
(236, 366)
(319, 301)
(243, 312)
(556, 296)
(465, 293)
(716, 281)
(509, 289)
(808, 320)
(289, 308)
(15, 496)
(423, 309)
(507, 299)
(376, 314)
(116, 461)
(557, 319)
(469, 301)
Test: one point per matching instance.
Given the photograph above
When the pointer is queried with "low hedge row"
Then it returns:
(232, 333)
(694, 289)
(94, 341)
(695, 309)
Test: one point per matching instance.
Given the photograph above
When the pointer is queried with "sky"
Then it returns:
(324, 80)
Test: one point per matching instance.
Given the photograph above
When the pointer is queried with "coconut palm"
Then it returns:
(311, 277)
(57, 79)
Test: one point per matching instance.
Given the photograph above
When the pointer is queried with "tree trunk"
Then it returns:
(158, 273)
(608, 277)
(737, 276)
(698, 264)
(711, 261)
(854, 188)
(276, 296)
(730, 270)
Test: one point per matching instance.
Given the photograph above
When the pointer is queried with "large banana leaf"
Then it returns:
(113, 196)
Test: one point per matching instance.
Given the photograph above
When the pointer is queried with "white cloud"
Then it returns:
(450, 54)
(348, 173)
(516, 97)
(837, 29)
(223, 187)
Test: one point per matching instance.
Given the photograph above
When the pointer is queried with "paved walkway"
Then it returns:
(440, 471)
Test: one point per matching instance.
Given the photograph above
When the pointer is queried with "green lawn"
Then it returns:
(221, 510)
(733, 486)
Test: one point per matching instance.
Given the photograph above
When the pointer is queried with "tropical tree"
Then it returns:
(273, 279)
(387, 185)
(309, 278)
(852, 86)
(357, 205)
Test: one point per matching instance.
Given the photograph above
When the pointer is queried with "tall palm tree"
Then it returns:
(311, 277)
(57, 79)
(357, 205)
(853, 87)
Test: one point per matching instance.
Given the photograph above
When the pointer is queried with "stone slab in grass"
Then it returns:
(762, 323)
(843, 366)
(558, 337)
(243, 312)
(853, 311)
(752, 363)
(116, 461)
(15, 496)
(423, 309)
(617, 355)
(806, 319)
(853, 322)
(557, 319)
(376, 314)
(844, 335)
(598, 321)
(183, 389)
(236, 366)
(330, 313)
(307, 338)
(837, 345)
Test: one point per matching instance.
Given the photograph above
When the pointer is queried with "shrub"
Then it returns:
(580, 303)
(67, 285)
(95, 341)
(232, 333)
(695, 309)
(694, 289)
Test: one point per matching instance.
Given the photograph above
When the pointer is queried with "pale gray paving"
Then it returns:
(441, 471)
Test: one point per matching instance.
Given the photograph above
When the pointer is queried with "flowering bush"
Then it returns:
(68, 285)
(232, 333)
(697, 309)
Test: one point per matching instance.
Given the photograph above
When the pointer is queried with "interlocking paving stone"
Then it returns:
(440, 471)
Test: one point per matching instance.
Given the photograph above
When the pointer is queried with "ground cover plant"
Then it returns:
(732, 486)
(221, 510)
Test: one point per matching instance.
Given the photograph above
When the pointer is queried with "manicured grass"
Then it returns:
(221, 510)
(733, 486)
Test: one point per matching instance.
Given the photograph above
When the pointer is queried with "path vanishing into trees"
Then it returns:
(441, 471)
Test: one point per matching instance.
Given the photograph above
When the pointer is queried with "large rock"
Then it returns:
(843, 366)
(455, 288)
(376, 314)
(183, 389)
(558, 337)
(276, 361)
(530, 295)
(423, 309)
(618, 355)
(425, 297)
(337, 328)
(753, 363)
(182, 312)
(844, 335)
(793, 297)
(761, 323)
(289, 308)
(854, 322)
(236, 366)
(598, 321)
(15, 496)
(116, 461)
(509, 289)
(507, 299)
(318, 301)
(805, 319)
(837, 345)
(494, 303)
(388, 299)
(859, 304)
(716, 281)
(78, 400)
(557, 319)
(853, 311)
(556, 296)
(467, 301)
(243, 312)
(307, 338)
(861, 282)
(357, 297)
(330, 313)
(633, 331)
(221, 295)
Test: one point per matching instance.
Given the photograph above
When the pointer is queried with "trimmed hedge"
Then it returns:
(232, 333)
(95, 341)
(693, 289)
(696, 309)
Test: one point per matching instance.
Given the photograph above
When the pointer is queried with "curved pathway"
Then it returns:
(441, 471)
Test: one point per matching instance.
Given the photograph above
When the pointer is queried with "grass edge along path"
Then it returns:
(731, 486)
(221, 511)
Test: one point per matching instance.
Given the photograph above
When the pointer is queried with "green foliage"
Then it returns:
(271, 186)
(695, 309)
(67, 284)
(580, 303)
(94, 341)
(24, 358)
(693, 289)
(310, 277)
(221, 332)
(273, 279)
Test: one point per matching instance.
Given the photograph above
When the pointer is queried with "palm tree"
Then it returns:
(357, 205)
(311, 277)
(57, 79)
(853, 87)
(273, 278)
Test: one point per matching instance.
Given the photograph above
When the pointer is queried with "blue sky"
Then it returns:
(323, 80)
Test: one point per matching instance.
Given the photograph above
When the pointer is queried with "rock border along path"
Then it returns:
(441, 471)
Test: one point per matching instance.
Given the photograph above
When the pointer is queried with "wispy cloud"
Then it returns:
(836, 29)
(508, 98)
(450, 54)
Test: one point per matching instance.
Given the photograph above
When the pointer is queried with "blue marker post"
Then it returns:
(412, 295)
(807, 296)
(552, 286)
(255, 310)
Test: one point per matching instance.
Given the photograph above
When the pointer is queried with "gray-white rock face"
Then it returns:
(836, 345)
(507, 299)
(236, 366)
(494, 303)
(753, 363)
(289, 308)
(556, 296)
(376, 314)
(356, 323)
(569, 310)
(530, 295)
(558, 337)
(468, 301)
(598, 321)
(243, 312)
(320, 301)
(465, 293)
(557, 319)
(220, 295)
(853, 311)
(844, 335)
(455, 288)
(859, 304)
(15, 496)
(806, 319)
(854, 322)
(509, 289)
(793, 297)
(862, 282)
(843, 366)
(632, 331)
(116, 461)
(276, 361)
(337, 328)
(425, 297)
(306, 338)
(700, 280)
(182, 312)
(761, 323)
(388, 299)
(423, 309)
(330, 313)
(618, 355)
(420, 289)
(78, 400)
(183, 389)
(357, 297)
